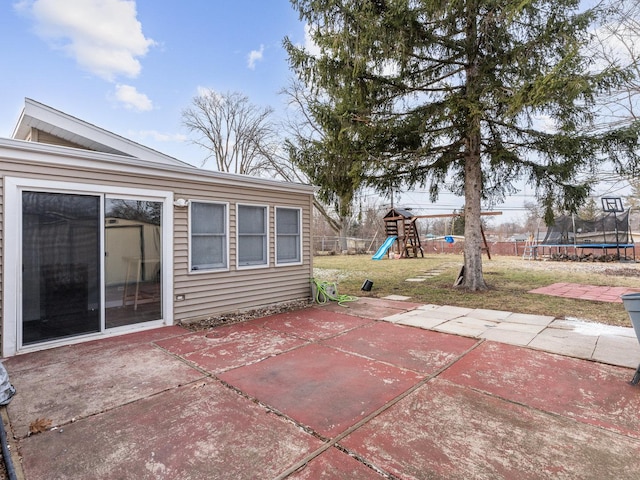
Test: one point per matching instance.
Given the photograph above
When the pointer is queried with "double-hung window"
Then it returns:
(208, 236)
(252, 223)
(288, 236)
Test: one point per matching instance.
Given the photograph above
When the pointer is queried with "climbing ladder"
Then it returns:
(411, 246)
(530, 250)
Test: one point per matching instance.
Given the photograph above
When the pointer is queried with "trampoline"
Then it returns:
(609, 231)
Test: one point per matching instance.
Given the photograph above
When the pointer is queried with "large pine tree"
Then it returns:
(470, 95)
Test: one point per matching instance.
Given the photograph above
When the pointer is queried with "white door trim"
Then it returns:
(12, 256)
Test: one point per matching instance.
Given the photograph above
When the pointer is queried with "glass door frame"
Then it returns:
(12, 258)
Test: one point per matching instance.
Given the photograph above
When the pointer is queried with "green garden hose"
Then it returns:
(325, 291)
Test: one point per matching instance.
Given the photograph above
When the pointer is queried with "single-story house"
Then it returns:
(102, 236)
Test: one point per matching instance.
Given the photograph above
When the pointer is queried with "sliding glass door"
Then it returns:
(90, 263)
(60, 265)
(133, 260)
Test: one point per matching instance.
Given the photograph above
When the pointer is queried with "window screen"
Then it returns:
(208, 236)
(288, 235)
(252, 235)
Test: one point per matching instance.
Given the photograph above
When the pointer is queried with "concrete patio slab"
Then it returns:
(589, 392)
(442, 314)
(312, 324)
(486, 314)
(419, 320)
(617, 350)
(250, 348)
(565, 342)
(571, 337)
(335, 464)
(87, 385)
(198, 431)
(468, 326)
(400, 316)
(322, 388)
(396, 401)
(71, 353)
(421, 351)
(529, 319)
(508, 336)
(447, 310)
(443, 430)
(372, 308)
(519, 327)
(428, 306)
(592, 329)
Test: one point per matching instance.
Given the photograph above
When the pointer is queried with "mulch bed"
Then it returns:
(235, 317)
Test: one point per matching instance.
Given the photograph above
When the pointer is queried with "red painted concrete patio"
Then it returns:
(321, 394)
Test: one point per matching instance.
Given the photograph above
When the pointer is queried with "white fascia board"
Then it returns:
(56, 119)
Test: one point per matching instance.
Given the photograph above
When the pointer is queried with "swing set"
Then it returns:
(402, 232)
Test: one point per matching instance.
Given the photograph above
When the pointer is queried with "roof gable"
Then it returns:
(59, 124)
(399, 212)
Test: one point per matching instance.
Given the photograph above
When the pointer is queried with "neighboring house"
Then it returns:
(103, 236)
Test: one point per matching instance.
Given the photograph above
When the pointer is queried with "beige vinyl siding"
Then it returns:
(205, 293)
(44, 137)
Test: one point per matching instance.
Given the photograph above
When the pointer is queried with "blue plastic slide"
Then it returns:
(383, 249)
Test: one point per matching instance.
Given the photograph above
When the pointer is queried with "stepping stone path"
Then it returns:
(431, 273)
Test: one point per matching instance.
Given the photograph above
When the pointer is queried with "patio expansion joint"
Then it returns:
(278, 413)
(206, 373)
(552, 414)
(335, 440)
(184, 361)
(59, 426)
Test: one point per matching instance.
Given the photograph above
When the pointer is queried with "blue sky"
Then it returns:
(131, 67)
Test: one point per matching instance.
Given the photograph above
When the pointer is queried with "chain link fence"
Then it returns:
(333, 245)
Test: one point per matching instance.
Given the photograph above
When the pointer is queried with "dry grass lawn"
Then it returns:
(509, 278)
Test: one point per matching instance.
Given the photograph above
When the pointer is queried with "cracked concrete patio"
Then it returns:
(381, 389)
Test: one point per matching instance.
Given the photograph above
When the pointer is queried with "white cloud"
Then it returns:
(619, 43)
(158, 136)
(103, 36)
(255, 56)
(210, 93)
(309, 45)
(545, 123)
(206, 91)
(132, 99)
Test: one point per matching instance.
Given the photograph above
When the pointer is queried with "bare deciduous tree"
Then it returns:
(619, 44)
(237, 134)
(304, 132)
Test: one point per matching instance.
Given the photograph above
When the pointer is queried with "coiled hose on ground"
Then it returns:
(328, 291)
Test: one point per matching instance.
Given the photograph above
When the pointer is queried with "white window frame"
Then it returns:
(264, 264)
(278, 262)
(12, 289)
(225, 266)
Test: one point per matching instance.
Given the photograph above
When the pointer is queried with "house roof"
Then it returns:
(107, 151)
(55, 155)
(395, 212)
(42, 117)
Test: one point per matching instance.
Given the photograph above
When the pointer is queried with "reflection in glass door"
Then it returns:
(133, 253)
(60, 265)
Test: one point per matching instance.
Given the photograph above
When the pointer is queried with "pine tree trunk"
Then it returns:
(344, 228)
(473, 278)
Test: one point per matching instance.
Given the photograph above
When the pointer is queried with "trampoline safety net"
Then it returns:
(607, 229)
